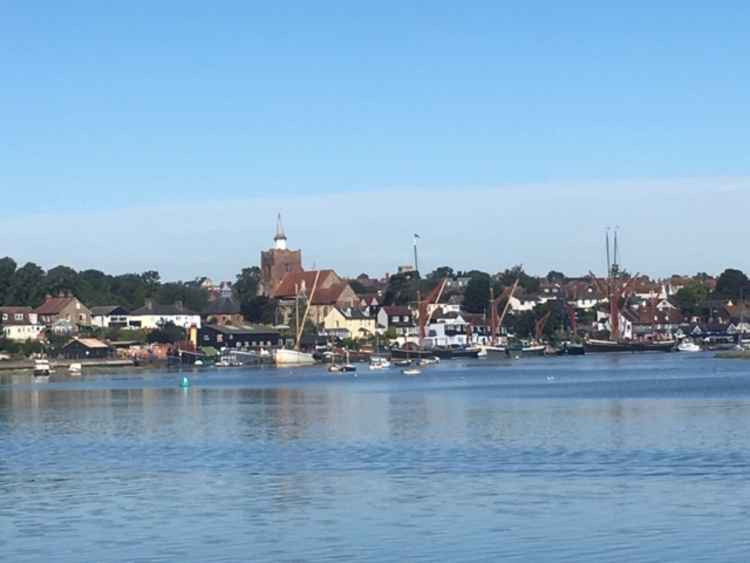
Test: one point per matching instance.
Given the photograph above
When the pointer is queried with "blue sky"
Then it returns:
(133, 133)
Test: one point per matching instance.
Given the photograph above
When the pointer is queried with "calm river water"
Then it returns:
(609, 458)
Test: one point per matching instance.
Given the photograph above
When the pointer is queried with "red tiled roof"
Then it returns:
(294, 282)
(53, 305)
(396, 310)
(329, 295)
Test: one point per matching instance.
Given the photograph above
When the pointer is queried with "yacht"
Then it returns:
(688, 346)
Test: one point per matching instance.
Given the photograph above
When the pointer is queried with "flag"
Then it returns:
(416, 235)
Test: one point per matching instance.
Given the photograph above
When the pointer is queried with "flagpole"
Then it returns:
(416, 261)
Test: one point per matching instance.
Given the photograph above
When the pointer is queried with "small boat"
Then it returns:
(377, 363)
(411, 371)
(42, 368)
(198, 363)
(428, 361)
(402, 363)
(75, 369)
(492, 351)
(688, 346)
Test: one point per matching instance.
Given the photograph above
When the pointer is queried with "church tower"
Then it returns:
(276, 262)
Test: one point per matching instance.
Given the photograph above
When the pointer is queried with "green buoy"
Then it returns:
(185, 382)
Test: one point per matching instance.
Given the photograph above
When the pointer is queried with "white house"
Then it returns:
(153, 315)
(448, 329)
(518, 304)
(20, 323)
(109, 316)
(399, 319)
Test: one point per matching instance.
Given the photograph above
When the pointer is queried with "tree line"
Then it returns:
(29, 284)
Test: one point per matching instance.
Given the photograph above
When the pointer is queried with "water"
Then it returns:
(609, 458)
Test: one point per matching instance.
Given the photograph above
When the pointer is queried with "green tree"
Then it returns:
(553, 276)
(246, 285)
(193, 298)
(440, 273)
(260, 310)
(167, 333)
(732, 283)
(402, 289)
(59, 279)
(7, 269)
(691, 298)
(527, 282)
(477, 294)
(27, 286)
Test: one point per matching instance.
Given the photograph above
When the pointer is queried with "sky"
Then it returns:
(168, 135)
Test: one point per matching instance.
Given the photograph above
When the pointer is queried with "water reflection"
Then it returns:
(480, 462)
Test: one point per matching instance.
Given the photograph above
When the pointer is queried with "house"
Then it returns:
(447, 328)
(109, 316)
(330, 292)
(583, 295)
(398, 319)
(154, 315)
(20, 323)
(223, 311)
(63, 311)
(354, 322)
(523, 303)
(238, 336)
(86, 349)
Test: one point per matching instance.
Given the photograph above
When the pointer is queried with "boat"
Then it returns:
(411, 371)
(42, 368)
(593, 346)
(570, 349)
(428, 361)
(688, 345)
(491, 351)
(75, 369)
(378, 362)
(287, 357)
(402, 363)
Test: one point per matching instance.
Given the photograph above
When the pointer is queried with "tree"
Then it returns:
(732, 283)
(553, 276)
(691, 298)
(194, 298)
(60, 279)
(246, 286)
(401, 289)
(7, 269)
(509, 276)
(260, 309)
(477, 294)
(27, 286)
(167, 333)
(440, 273)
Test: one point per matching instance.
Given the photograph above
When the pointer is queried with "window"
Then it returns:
(5, 316)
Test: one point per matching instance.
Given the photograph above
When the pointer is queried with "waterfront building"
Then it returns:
(20, 323)
(109, 316)
(398, 319)
(348, 322)
(277, 262)
(154, 315)
(223, 311)
(65, 310)
(241, 336)
(86, 349)
(331, 291)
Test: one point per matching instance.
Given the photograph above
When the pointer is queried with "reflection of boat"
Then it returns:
(593, 345)
(411, 371)
(688, 346)
(286, 357)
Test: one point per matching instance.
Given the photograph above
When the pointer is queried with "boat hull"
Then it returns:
(596, 346)
(285, 357)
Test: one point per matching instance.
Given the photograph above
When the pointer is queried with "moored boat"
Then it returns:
(286, 357)
(594, 346)
(688, 345)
